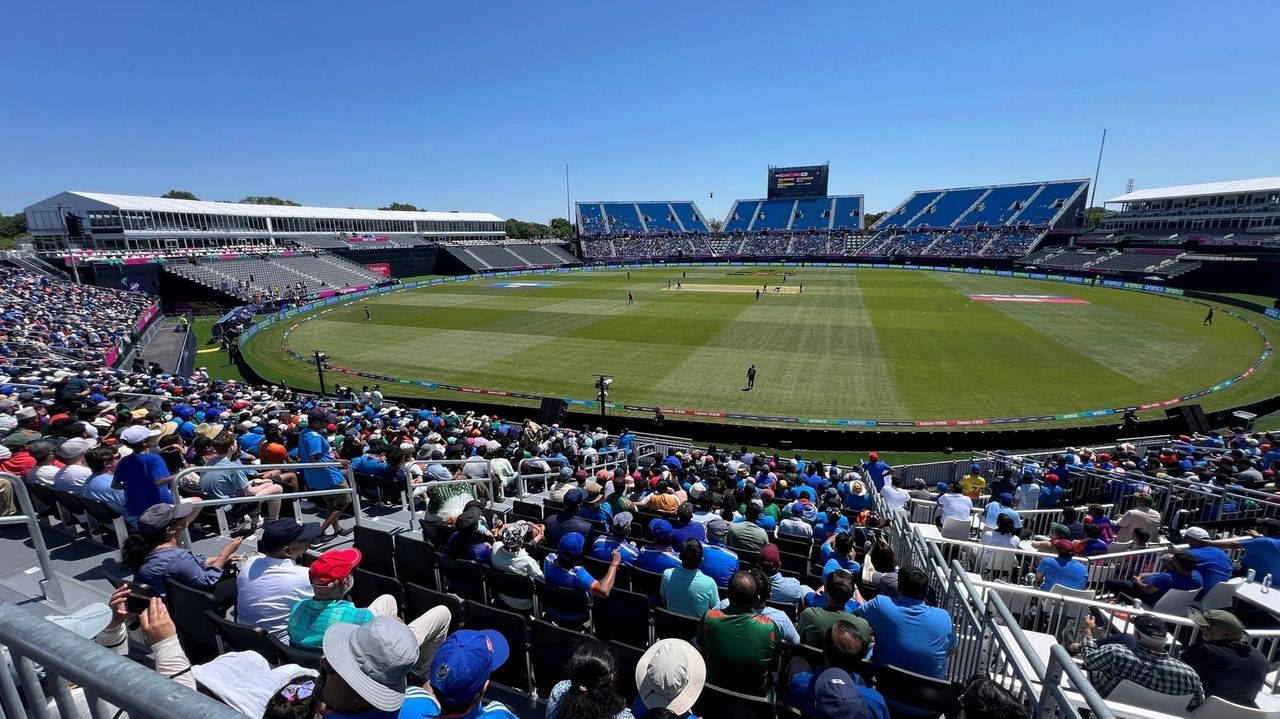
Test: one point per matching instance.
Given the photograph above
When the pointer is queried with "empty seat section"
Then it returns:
(999, 206)
(658, 216)
(847, 214)
(741, 215)
(773, 215)
(690, 217)
(1049, 203)
(812, 213)
(947, 208)
(622, 217)
(909, 209)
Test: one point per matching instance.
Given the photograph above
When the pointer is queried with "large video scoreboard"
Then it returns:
(809, 181)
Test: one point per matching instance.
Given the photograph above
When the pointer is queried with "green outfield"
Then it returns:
(856, 344)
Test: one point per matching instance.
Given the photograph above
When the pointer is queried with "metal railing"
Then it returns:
(50, 585)
(104, 681)
(220, 504)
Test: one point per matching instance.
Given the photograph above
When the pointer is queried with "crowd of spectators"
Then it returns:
(720, 527)
(43, 317)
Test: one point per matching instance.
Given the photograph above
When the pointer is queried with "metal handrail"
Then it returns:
(50, 585)
(103, 675)
(350, 488)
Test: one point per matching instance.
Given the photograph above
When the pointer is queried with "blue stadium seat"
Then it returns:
(812, 213)
(848, 213)
(948, 208)
(658, 216)
(909, 209)
(999, 206)
(740, 215)
(774, 215)
(690, 217)
(591, 218)
(1046, 206)
(622, 217)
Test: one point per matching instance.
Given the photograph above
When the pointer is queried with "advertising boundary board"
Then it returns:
(323, 306)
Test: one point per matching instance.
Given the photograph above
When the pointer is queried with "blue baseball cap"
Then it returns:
(462, 665)
(661, 530)
(575, 497)
(571, 544)
(837, 697)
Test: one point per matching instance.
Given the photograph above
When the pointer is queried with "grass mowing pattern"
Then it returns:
(882, 344)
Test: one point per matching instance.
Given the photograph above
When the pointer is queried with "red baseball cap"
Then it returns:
(333, 566)
(769, 554)
(874, 456)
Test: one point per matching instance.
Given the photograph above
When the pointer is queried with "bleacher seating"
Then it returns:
(277, 276)
(640, 218)
(1050, 203)
(690, 217)
(847, 214)
(947, 208)
(511, 255)
(658, 217)
(812, 213)
(741, 216)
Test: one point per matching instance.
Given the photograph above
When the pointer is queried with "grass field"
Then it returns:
(859, 344)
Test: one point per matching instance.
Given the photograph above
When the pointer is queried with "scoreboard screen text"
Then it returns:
(797, 181)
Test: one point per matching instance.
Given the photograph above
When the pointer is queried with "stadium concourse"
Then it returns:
(461, 565)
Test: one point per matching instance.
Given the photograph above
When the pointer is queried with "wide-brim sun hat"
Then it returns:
(671, 675)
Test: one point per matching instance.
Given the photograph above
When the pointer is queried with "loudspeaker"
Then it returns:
(552, 410)
(1192, 416)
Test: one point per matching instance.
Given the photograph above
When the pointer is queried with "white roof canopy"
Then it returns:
(1233, 187)
(160, 204)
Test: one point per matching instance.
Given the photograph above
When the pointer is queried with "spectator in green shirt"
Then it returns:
(813, 623)
(738, 643)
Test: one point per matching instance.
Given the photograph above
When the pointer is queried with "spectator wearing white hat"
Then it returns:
(365, 672)
(74, 472)
(143, 474)
(670, 675)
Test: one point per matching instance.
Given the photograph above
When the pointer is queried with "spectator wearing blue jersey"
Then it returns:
(909, 633)
(843, 650)
(842, 556)
(875, 469)
(616, 541)
(1051, 493)
(1002, 504)
(1062, 569)
(143, 474)
(830, 522)
(314, 447)
(855, 495)
(595, 509)
(658, 557)
(563, 568)
(684, 528)
(718, 561)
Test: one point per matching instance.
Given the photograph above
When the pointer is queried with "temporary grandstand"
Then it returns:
(640, 218)
(1214, 208)
(274, 275)
(984, 221)
(815, 214)
(94, 220)
(510, 256)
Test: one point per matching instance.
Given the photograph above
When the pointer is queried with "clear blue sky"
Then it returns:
(479, 105)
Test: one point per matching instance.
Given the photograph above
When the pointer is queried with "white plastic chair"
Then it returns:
(1222, 594)
(1126, 692)
(1175, 602)
(957, 529)
(1219, 708)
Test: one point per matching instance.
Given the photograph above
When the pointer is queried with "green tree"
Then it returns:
(562, 228)
(521, 230)
(268, 200)
(401, 207)
(1093, 216)
(14, 225)
(871, 218)
(179, 195)
(715, 225)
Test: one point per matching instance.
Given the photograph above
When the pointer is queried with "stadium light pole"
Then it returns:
(568, 206)
(1096, 171)
(603, 382)
(320, 358)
